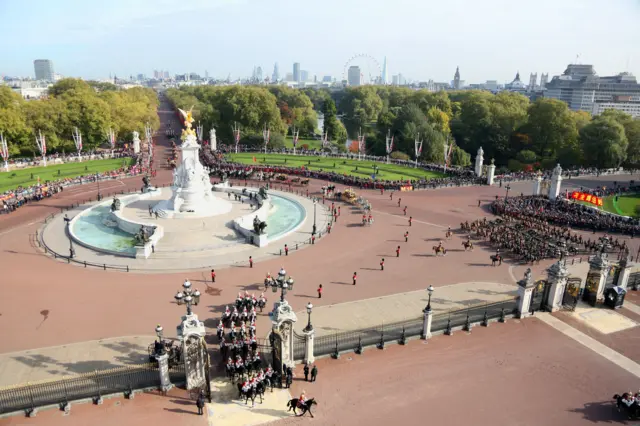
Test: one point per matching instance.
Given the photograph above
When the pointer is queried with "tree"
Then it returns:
(631, 131)
(361, 106)
(460, 157)
(296, 109)
(332, 126)
(551, 127)
(604, 142)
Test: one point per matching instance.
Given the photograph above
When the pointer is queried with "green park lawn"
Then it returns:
(313, 143)
(625, 206)
(24, 177)
(363, 169)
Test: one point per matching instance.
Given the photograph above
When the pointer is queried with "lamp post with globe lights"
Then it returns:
(187, 296)
(309, 327)
(283, 283)
(428, 316)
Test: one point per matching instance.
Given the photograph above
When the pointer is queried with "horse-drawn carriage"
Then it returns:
(281, 177)
(348, 196)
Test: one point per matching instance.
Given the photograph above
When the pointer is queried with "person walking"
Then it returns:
(355, 278)
(405, 210)
(406, 237)
(391, 196)
(410, 220)
(314, 373)
(313, 239)
(382, 264)
(338, 210)
(213, 275)
(320, 291)
(306, 373)
(250, 262)
(286, 250)
(329, 228)
(156, 213)
(478, 203)
(200, 403)
(399, 200)
(398, 252)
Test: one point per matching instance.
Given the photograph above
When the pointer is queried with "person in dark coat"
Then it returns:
(314, 373)
(200, 403)
(306, 373)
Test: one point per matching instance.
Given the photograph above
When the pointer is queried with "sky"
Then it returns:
(422, 39)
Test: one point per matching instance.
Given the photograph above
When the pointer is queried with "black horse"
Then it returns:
(496, 258)
(632, 411)
(249, 395)
(306, 407)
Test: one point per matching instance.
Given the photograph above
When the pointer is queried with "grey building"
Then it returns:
(275, 77)
(296, 71)
(581, 88)
(44, 69)
(304, 75)
(353, 76)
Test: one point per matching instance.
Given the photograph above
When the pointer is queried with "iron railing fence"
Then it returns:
(353, 339)
(27, 397)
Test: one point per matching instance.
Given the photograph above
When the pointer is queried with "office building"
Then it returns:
(304, 75)
(385, 72)
(44, 69)
(289, 77)
(620, 103)
(326, 79)
(353, 76)
(580, 87)
(296, 71)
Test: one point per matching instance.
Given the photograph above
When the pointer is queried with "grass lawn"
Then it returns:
(625, 206)
(313, 143)
(362, 169)
(24, 177)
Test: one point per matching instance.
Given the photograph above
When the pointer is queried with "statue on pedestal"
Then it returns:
(258, 226)
(263, 192)
(142, 236)
(115, 205)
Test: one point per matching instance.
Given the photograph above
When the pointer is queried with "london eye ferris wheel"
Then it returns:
(367, 65)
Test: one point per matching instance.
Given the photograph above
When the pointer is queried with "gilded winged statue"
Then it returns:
(188, 119)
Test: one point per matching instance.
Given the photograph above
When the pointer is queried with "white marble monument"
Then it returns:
(213, 141)
(192, 189)
(491, 171)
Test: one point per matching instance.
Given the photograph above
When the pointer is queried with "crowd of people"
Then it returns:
(565, 214)
(62, 157)
(15, 198)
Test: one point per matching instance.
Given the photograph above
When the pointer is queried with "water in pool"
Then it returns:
(287, 215)
(91, 229)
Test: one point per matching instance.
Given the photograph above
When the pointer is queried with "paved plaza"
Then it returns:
(58, 319)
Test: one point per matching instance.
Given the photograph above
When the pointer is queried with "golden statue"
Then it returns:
(188, 119)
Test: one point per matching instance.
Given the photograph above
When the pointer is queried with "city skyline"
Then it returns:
(125, 39)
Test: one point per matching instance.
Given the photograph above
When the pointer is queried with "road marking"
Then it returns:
(632, 307)
(606, 352)
(513, 277)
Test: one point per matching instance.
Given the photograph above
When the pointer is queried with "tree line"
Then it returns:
(92, 107)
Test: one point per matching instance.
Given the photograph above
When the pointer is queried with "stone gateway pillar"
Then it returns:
(491, 170)
(191, 332)
(479, 162)
(282, 320)
(557, 277)
(308, 353)
(556, 181)
(596, 278)
(537, 185)
(525, 292)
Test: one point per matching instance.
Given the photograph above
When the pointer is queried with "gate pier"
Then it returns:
(557, 278)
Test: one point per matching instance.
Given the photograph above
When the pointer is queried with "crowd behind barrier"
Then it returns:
(16, 198)
(62, 158)
(564, 213)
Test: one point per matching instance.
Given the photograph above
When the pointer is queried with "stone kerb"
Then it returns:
(126, 225)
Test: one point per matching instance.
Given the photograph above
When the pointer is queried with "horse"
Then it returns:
(293, 404)
(439, 249)
(448, 235)
(633, 411)
(496, 258)
(468, 245)
(249, 395)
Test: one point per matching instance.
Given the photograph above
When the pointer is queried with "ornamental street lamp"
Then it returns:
(159, 331)
(283, 283)
(315, 204)
(430, 291)
(98, 181)
(309, 327)
(188, 296)
(508, 187)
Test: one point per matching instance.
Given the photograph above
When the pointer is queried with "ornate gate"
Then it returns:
(540, 295)
(612, 276)
(571, 293)
(195, 362)
(299, 346)
(275, 341)
(634, 281)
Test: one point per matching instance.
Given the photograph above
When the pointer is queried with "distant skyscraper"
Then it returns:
(288, 76)
(326, 79)
(533, 81)
(544, 78)
(385, 72)
(353, 76)
(296, 71)
(156, 75)
(259, 74)
(304, 75)
(206, 74)
(44, 69)
(456, 79)
(275, 77)
(166, 75)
